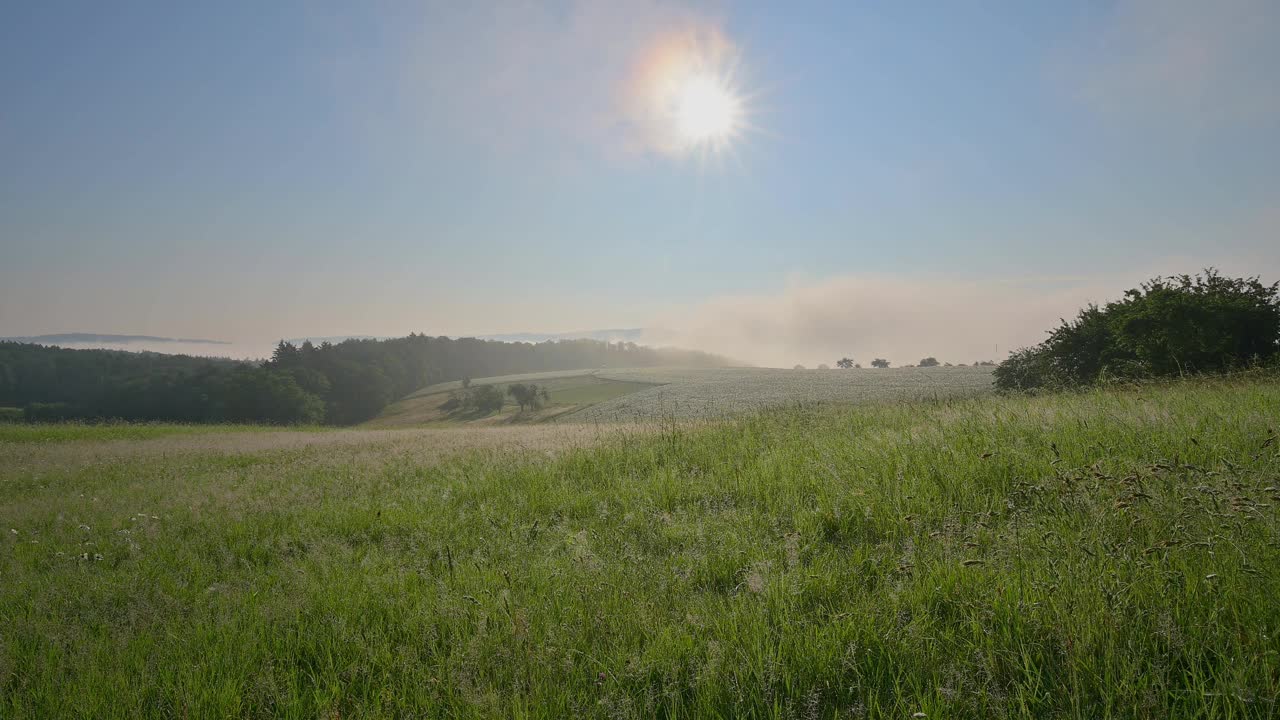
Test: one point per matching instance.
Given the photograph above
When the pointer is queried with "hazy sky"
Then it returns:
(919, 178)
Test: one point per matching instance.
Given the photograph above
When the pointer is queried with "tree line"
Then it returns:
(339, 384)
(1166, 327)
(847, 363)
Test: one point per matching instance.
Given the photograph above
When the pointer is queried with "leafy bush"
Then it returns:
(525, 395)
(1168, 326)
(485, 399)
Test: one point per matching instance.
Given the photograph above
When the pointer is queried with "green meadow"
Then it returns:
(1109, 553)
(23, 433)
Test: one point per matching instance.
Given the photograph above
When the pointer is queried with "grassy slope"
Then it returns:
(651, 394)
(71, 431)
(569, 391)
(1110, 553)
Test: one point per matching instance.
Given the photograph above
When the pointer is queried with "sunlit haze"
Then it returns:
(639, 359)
(778, 184)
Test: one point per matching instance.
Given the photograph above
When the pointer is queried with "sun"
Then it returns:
(706, 111)
(686, 97)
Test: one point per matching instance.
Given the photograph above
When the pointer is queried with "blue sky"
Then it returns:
(934, 178)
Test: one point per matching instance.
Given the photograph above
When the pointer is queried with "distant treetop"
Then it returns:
(1167, 327)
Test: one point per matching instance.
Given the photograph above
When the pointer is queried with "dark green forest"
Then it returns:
(338, 384)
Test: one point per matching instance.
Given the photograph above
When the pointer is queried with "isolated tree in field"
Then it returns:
(798, 367)
(520, 393)
(526, 396)
(844, 363)
(466, 382)
(928, 362)
(824, 366)
(486, 399)
(879, 363)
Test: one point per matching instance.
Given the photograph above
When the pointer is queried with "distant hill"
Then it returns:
(260, 350)
(99, 338)
(611, 335)
(333, 339)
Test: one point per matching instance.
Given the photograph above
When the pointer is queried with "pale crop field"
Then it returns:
(536, 378)
(645, 395)
(715, 393)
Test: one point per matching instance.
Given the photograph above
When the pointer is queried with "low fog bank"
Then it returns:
(813, 321)
(868, 316)
(231, 350)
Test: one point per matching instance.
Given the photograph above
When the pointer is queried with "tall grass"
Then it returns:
(21, 432)
(1113, 553)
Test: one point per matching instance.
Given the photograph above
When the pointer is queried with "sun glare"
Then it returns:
(706, 111)
(687, 95)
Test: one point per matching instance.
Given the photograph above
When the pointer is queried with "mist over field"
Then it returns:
(812, 321)
(902, 318)
(865, 317)
(231, 350)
